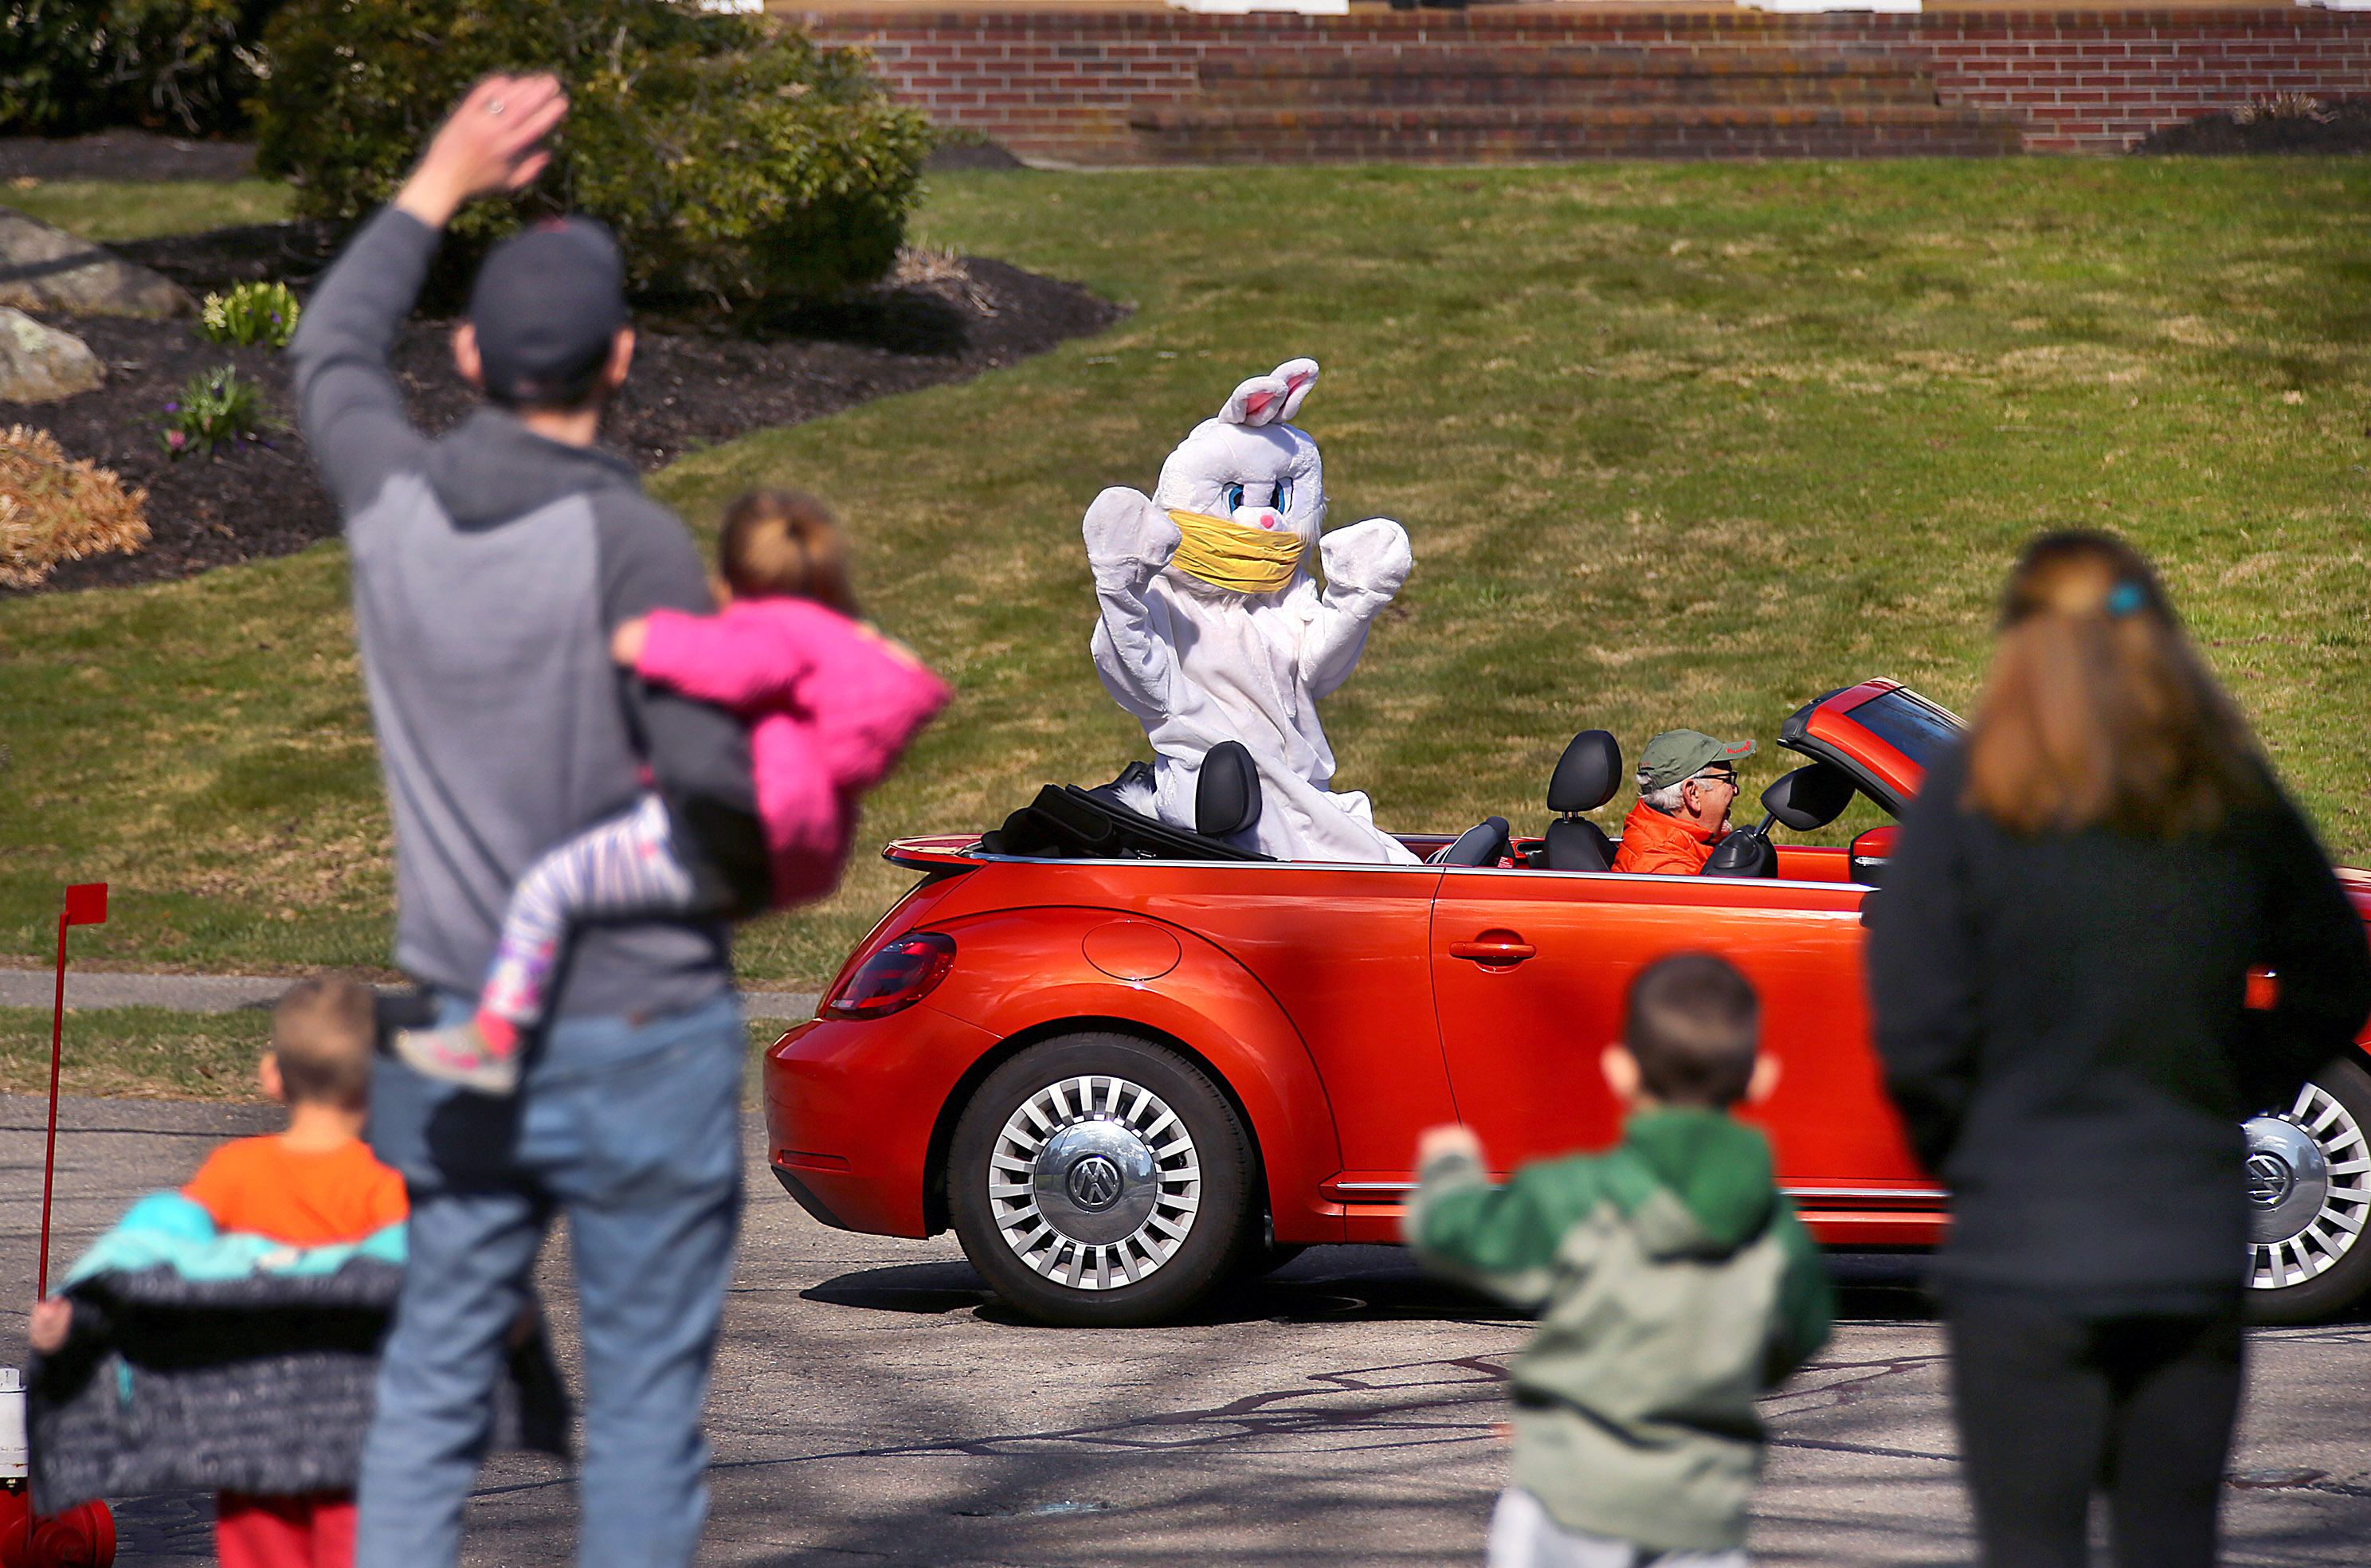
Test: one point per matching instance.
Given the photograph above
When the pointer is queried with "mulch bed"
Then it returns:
(124, 155)
(2319, 125)
(694, 384)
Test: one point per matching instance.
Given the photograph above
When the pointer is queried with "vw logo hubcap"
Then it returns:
(2268, 1179)
(1095, 1184)
(2288, 1180)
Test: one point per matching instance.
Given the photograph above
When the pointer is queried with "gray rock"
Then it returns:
(40, 365)
(44, 268)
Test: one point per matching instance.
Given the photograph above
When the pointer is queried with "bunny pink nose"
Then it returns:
(1267, 517)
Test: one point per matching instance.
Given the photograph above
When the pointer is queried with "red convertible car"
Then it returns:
(1124, 1061)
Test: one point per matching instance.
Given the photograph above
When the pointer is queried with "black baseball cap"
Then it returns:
(545, 306)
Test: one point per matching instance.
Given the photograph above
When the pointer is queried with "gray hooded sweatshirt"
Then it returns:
(489, 567)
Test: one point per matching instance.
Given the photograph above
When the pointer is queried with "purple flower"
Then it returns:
(173, 407)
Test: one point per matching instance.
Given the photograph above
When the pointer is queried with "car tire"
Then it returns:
(2310, 1190)
(1098, 1180)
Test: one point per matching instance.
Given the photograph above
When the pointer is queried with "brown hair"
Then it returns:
(2098, 713)
(783, 545)
(322, 1033)
(1692, 1026)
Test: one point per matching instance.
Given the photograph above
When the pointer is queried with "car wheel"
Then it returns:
(1096, 1180)
(2309, 1200)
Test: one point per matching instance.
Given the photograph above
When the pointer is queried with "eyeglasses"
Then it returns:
(1724, 777)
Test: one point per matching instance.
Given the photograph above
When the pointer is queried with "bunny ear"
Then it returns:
(1259, 400)
(1298, 375)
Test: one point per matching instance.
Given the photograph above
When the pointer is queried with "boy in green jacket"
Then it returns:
(1672, 1283)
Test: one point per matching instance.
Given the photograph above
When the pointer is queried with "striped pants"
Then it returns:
(624, 866)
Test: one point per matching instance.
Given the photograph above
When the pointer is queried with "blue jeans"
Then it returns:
(634, 1130)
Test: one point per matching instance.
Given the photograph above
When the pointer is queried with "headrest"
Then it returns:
(1809, 799)
(1588, 774)
(1485, 843)
(1226, 792)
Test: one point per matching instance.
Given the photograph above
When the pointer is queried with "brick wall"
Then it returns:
(1059, 83)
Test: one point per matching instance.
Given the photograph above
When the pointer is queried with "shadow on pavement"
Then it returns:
(1350, 1285)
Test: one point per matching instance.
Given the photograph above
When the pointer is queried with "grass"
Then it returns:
(1677, 445)
(136, 1052)
(155, 1054)
(109, 211)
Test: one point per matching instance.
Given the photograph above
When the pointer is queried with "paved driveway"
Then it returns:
(873, 1406)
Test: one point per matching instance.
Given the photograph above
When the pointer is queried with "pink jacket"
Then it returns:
(829, 704)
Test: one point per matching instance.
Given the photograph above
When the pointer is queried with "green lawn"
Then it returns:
(109, 211)
(136, 1052)
(1677, 445)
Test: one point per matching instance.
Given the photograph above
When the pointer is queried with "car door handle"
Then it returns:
(1498, 950)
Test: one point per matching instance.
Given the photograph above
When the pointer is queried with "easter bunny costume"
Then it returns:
(1211, 628)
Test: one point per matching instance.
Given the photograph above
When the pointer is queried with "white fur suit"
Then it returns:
(1200, 662)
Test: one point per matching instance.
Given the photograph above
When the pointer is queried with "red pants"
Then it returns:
(312, 1531)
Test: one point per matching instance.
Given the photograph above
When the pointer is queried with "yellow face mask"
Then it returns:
(1226, 554)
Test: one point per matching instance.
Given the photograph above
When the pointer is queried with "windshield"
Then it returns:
(1912, 728)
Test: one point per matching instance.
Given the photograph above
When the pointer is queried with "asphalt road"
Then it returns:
(873, 1406)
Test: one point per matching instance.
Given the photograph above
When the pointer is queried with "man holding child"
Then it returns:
(490, 567)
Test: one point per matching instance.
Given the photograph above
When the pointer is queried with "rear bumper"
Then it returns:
(813, 1206)
(850, 1108)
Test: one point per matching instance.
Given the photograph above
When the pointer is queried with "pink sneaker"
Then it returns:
(460, 1055)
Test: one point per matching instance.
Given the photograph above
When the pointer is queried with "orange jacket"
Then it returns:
(1653, 842)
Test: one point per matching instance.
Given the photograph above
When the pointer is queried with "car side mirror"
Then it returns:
(1810, 797)
(1869, 853)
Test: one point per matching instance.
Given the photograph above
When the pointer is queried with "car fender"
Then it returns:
(1024, 975)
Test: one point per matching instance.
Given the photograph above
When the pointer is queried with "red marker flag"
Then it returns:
(86, 905)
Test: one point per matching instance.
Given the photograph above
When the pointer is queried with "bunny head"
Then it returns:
(1248, 464)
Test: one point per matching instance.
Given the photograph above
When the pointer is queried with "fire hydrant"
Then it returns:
(82, 1536)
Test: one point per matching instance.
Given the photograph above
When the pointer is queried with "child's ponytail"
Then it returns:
(781, 543)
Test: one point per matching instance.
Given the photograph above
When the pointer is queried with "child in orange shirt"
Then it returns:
(314, 1185)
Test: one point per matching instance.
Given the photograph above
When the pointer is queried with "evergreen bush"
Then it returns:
(735, 160)
(181, 65)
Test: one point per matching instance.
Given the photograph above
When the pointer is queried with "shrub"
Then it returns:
(54, 510)
(216, 409)
(251, 313)
(186, 65)
(735, 161)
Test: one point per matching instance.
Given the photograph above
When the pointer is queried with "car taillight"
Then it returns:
(900, 975)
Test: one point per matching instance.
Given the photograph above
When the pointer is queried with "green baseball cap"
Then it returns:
(1683, 753)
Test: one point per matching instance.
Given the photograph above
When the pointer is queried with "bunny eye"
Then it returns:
(1232, 495)
(1284, 495)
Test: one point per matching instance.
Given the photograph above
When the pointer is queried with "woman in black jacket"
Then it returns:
(2057, 965)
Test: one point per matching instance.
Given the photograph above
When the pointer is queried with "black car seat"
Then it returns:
(1227, 791)
(1486, 844)
(1586, 777)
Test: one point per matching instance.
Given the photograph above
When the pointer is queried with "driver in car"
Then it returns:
(1688, 781)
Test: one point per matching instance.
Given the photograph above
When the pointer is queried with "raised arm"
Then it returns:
(1364, 564)
(1129, 540)
(347, 400)
(1509, 1240)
